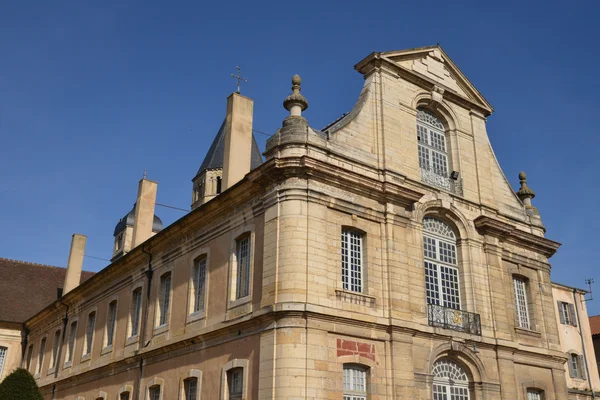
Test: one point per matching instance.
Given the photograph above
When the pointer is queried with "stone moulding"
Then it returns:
(509, 233)
(347, 118)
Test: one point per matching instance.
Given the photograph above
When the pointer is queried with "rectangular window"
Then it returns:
(243, 267)
(199, 283)
(355, 383)
(236, 383)
(3, 351)
(521, 303)
(124, 396)
(41, 355)
(55, 346)
(533, 395)
(29, 356)
(71, 343)
(89, 332)
(566, 313)
(164, 299)
(111, 322)
(190, 387)
(352, 260)
(154, 393)
(136, 309)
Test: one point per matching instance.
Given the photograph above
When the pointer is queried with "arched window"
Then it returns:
(3, 351)
(441, 266)
(450, 381)
(433, 152)
(355, 382)
(164, 299)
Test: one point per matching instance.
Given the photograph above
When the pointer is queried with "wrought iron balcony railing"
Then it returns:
(457, 320)
(442, 180)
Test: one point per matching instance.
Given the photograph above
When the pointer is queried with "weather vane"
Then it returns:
(239, 78)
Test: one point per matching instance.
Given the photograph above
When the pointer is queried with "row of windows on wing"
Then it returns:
(198, 295)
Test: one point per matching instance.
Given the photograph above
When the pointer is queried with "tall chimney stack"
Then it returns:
(73, 275)
(144, 212)
(238, 139)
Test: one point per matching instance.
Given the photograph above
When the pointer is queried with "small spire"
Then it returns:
(525, 193)
(144, 177)
(295, 103)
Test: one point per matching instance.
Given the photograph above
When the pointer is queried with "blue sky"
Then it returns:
(92, 93)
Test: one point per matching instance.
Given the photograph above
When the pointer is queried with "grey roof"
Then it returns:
(128, 220)
(216, 153)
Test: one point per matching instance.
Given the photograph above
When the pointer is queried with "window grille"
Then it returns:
(71, 343)
(199, 284)
(136, 309)
(450, 381)
(89, 333)
(191, 388)
(352, 260)
(164, 299)
(521, 303)
(41, 355)
(355, 382)
(55, 346)
(243, 267)
(111, 323)
(3, 351)
(441, 272)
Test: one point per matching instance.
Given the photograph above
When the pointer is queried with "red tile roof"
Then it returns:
(27, 288)
(595, 324)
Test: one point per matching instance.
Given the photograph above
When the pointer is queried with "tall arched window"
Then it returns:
(441, 267)
(450, 381)
(433, 153)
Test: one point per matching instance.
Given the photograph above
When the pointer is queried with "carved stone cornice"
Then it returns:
(510, 234)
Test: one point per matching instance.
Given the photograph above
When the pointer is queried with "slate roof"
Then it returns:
(129, 219)
(216, 153)
(27, 288)
(595, 324)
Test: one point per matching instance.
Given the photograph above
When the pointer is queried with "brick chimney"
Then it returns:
(238, 139)
(75, 264)
(144, 212)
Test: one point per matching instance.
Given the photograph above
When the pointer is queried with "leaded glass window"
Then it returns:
(199, 284)
(450, 381)
(355, 382)
(164, 299)
(521, 302)
(433, 154)
(352, 260)
(441, 265)
(243, 267)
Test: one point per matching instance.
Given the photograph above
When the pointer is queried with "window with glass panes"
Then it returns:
(71, 342)
(154, 392)
(89, 332)
(433, 153)
(29, 356)
(164, 299)
(136, 309)
(199, 283)
(352, 260)
(41, 355)
(235, 379)
(355, 382)
(243, 267)
(441, 266)
(522, 309)
(124, 396)
(3, 351)
(533, 394)
(450, 381)
(111, 321)
(190, 387)
(55, 345)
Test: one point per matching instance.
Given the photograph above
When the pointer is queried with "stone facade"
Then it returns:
(303, 324)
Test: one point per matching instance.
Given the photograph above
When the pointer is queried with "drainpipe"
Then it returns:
(149, 272)
(585, 360)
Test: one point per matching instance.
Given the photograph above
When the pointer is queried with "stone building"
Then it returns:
(576, 340)
(385, 256)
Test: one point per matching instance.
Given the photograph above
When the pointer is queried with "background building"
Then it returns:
(385, 256)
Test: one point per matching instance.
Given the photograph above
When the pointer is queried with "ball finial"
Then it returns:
(296, 80)
(522, 176)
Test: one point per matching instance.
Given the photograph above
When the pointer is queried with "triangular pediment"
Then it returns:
(433, 64)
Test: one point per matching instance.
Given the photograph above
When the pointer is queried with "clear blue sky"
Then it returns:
(91, 93)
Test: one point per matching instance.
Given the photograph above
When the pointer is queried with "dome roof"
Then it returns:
(128, 220)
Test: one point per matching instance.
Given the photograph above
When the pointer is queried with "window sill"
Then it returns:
(67, 364)
(106, 350)
(161, 329)
(528, 332)
(132, 339)
(51, 371)
(36, 376)
(355, 297)
(85, 357)
(196, 316)
(239, 302)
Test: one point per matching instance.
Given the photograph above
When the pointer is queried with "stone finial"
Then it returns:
(295, 103)
(525, 193)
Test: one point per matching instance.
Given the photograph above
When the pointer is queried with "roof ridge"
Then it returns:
(31, 263)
